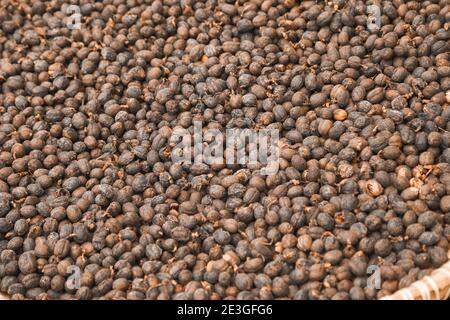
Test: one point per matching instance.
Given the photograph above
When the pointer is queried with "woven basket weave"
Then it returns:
(433, 287)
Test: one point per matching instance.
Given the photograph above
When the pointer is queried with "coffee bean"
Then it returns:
(27, 263)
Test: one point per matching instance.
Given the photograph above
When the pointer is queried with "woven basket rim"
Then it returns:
(436, 286)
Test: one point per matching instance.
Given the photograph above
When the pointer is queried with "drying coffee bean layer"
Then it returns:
(87, 181)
